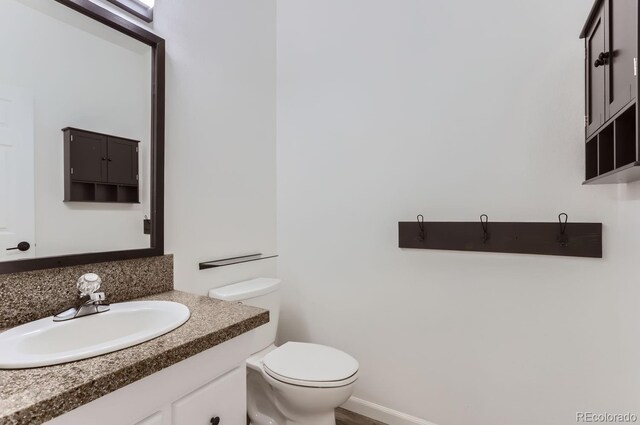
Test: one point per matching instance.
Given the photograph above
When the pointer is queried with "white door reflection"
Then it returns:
(17, 211)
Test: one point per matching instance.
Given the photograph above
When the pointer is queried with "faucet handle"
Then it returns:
(88, 284)
(97, 296)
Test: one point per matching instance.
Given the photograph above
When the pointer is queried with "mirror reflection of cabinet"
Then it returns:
(99, 167)
(59, 73)
(611, 52)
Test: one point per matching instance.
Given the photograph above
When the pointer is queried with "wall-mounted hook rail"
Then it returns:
(234, 260)
(566, 239)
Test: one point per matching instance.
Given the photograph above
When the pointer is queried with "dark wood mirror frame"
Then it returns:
(94, 11)
(135, 8)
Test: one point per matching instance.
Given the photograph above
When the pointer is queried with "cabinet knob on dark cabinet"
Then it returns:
(22, 246)
(603, 58)
(215, 420)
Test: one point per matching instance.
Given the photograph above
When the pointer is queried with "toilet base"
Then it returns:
(328, 419)
(272, 402)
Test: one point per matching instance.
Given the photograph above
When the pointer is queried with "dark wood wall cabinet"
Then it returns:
(100, 167)
(611, 68)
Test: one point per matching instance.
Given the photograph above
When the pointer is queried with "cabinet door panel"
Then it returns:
(223, 398)
(595, 75)
(155, 419)
(123, 161)
(88, 154)
(622, 16)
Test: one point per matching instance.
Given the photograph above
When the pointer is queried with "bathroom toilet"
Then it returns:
(296, 383)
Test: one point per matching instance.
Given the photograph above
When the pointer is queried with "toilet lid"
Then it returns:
(302, 363)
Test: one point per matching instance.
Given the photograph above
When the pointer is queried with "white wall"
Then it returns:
(387, 109)
(220, 130)
(85, 75)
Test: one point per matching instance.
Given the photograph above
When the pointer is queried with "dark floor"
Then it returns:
(345, 417)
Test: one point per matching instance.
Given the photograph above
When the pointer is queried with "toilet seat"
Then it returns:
(311, 365)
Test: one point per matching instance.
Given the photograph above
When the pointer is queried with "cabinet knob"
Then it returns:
(215, 420)
(22, 246)
(602, 60)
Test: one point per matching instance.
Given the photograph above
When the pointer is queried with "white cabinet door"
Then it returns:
(17, 196)
(155, 419)
(223, 398)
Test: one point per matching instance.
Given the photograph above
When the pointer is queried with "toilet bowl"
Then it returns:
(306, 382)
(296, 383)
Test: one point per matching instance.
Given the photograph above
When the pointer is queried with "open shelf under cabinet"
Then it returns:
(611, 155)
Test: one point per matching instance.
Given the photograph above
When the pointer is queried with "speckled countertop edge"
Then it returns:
(34, 396)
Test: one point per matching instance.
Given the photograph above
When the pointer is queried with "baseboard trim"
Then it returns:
(381, 413)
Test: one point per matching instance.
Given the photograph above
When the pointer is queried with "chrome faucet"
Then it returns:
(91, 302)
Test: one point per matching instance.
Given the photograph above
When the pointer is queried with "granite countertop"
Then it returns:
(34, 396)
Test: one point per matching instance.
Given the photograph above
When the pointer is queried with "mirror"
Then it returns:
(81, 136)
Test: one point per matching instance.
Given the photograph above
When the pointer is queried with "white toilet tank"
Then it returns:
(261, 292)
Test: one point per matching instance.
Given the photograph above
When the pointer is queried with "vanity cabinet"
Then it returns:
(212, 401)
(100, 167)
(155, 419)
(220, 402)
(611, 114)
(205, 389)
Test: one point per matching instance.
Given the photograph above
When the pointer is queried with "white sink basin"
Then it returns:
(45, 342)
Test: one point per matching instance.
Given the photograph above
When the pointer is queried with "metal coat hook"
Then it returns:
(484, 220)
(563, 238)
(420, 219)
